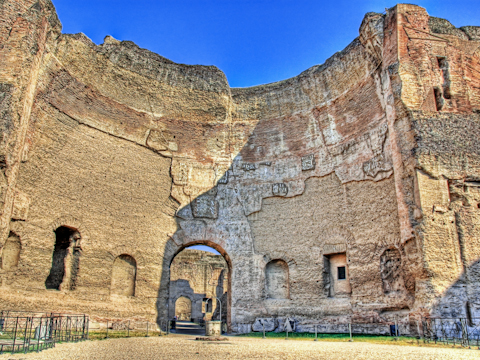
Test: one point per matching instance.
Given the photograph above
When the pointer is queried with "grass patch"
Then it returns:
(376, 339)
(117, 334)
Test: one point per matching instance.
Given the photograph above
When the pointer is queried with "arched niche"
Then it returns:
(65, 259)
(277, 280)
(124, 273)
(183, 308)
(11, 252)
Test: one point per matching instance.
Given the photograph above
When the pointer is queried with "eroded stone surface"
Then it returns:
(372, 157)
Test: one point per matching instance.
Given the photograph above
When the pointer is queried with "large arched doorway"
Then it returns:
(201, 272)
(183, 308)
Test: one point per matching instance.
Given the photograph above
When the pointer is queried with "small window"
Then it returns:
(342, 275)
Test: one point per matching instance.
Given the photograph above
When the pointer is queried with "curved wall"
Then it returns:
(143, 156)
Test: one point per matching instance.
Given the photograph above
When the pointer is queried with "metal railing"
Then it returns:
(450, 331)
(28, 331)
(461, 331)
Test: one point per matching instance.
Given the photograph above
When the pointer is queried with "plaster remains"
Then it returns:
(351, 191)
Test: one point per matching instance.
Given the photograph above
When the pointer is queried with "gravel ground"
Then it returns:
(185, 347)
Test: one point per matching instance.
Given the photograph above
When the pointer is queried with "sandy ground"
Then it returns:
(185, 347)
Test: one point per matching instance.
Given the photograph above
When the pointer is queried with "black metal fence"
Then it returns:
(450, 331)
(461, 331)
(28, 331)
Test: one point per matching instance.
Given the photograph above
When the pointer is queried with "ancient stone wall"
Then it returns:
(367, 162)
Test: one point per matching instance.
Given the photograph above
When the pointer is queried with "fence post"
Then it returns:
(83, 326)
(25, 335)
(15, 336)
(147, 330)
(30, 334)
(396, 329)
(350, 330)
(38, 340)
(53, 331)
(128, 329)
(315, 333)
(106, 337)
(465, 339)
(263, 324)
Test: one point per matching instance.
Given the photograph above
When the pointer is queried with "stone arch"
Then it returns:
(72, 223)
(65, 259)
(183, 308)
(173, 248)
(11, 252)
(124, 274)
(123, 249)
(277, 283)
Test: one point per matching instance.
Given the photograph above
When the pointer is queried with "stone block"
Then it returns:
(375, 165)
(308, 162)
(223, 179)
(21, 205)
(270, 324)
(157, 141)
(280, 189)
(213, 328)
(248, 166)
(205, 206)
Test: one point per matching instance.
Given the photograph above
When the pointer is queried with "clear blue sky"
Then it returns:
(252, 41)
(204, 248)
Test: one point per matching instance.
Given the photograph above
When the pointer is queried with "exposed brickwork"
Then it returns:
(373, 155)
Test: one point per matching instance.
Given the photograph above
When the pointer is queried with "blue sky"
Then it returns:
(204, 248)
(252, 41)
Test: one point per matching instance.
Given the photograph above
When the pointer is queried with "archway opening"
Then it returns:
(65, 260)
(200, 279)
(183, 308)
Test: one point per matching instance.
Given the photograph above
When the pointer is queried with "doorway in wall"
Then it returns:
(200, 273)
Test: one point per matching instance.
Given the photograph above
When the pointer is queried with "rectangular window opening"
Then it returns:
(442, 62)
(443, 66)
(342, 274)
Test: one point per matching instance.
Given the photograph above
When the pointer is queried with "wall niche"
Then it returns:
(336, 277)
(277, 280)
(11, 252)
(65, 260)
(124, 275)
(391, 271)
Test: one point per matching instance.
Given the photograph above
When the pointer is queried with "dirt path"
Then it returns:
(185, 347)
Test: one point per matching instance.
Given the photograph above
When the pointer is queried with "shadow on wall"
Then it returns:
(462, 299)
